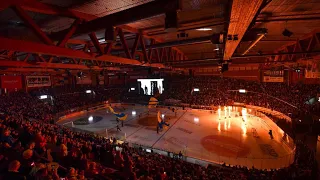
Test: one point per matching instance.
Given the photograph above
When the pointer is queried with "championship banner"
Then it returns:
(11, 82)
(273, 76)
(38, 81)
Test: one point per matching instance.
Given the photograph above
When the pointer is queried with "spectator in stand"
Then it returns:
(13, 172)
(6, 139)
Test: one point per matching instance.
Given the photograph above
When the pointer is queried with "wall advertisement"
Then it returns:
(272, 79)
(38, 81)
(273, 76)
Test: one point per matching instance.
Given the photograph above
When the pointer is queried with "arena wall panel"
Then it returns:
(11, 83)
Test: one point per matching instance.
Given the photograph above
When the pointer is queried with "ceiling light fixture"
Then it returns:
(101, 41)
(204, 29)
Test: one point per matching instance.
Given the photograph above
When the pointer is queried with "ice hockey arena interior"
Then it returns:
(159, 89)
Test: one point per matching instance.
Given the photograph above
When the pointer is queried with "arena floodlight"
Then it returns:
(204, 29)
(196, 89)
(90, 118)
(101, 41)
(134, 113)
(43, 97)
(242, 91)
(88, 91)
(162, 115)
(132, 89)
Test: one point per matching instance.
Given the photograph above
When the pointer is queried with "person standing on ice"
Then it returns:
(118, 128)
(119, 116)
(161, 122)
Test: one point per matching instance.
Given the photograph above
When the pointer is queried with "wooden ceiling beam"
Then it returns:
(35, 6)
(124, 43)
(31, 70)
(242, 14)
(70, 32)
(133, 14)
(136, 31)
(37, 48)
(188, 25)
(297, 46)
(96, 43)
(135, 45)
(78, 41)
(31, 24)
(7, 4)
(144, 50)
(44, 65)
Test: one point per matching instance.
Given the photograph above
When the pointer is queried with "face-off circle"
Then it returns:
(225, 146)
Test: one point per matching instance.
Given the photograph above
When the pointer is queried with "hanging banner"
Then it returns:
(11, 82)
(272, 79)
(273, 76)
(38, 81)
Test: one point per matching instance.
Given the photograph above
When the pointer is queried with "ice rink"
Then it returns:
(231, 135)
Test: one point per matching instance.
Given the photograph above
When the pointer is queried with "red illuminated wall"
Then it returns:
(300, 77)
(295, 77)
(250, 75)
(11, 83)
(117, 80)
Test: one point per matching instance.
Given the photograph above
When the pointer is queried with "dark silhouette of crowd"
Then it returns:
(32, 147)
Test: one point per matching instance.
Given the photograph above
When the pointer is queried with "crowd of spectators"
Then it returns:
(34, 150)
(63, 99)
(21, 104)
(32, 147)
(218, 91)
